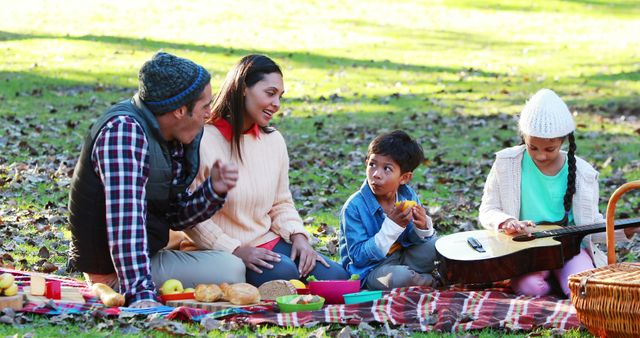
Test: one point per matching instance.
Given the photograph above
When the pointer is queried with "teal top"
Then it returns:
(542, 196)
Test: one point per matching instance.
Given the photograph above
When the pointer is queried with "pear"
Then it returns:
(12, 290)
(6, 279)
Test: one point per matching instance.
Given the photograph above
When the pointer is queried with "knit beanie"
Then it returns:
(167, 82)
(546, 116)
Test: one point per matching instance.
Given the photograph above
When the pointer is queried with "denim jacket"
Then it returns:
(361, 219)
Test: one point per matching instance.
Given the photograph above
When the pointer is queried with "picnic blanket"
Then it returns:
(456, 309)
(426, 309)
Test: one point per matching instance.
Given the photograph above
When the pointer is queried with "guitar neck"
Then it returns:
(581, 230)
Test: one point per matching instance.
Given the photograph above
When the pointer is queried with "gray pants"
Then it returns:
(197, 267)
(410, 266)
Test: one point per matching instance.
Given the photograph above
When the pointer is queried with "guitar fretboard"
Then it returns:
(582, 230)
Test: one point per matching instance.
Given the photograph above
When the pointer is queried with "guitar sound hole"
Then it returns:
(523, 238)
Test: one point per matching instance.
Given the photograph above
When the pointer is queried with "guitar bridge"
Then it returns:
(475, 244)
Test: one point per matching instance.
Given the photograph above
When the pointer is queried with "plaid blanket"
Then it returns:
(443, 311)
(457, 309)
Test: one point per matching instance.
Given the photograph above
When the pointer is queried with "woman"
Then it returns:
(259, 222)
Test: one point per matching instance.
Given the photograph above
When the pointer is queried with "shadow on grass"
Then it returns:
(623, 8)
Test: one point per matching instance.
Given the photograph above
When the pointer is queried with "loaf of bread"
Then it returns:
(207, 293)
(240, 293)
(276, 288)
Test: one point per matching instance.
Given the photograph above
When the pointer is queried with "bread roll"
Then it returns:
(240, 293)
(276, 288)
(207, 293)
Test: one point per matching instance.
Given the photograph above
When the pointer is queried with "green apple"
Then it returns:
(12, 290)
(187, 290)
(171, 286)
(6, 279)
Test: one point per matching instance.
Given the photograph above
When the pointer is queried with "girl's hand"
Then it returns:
(400, 217)
(301, 248)
(420, 217)
(515, 227)
(254, 258)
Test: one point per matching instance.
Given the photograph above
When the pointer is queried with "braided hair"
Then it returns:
(571, 183)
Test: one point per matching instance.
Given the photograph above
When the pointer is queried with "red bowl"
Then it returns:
(333, 290)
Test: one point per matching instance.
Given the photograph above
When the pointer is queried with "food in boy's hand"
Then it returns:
(305, 299)
(107, 296)
(312, 278)
(407, 204)
(273, 289)
(171, 286)
(240, 293)
(207, 293)
(354, 276)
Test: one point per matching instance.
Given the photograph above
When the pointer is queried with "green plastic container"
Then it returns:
(362, 297)
(285, 305)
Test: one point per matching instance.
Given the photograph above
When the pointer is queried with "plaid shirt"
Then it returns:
(120, 158)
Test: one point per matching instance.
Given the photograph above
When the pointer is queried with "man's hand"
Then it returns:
(301, 248)
(400, 217)
(143, 304)
(254, 258)
(515, 227)
(223, 176)
(420, 217)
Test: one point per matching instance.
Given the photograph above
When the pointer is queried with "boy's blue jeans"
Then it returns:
(410, 266)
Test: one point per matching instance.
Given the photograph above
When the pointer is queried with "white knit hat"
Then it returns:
(546, 116)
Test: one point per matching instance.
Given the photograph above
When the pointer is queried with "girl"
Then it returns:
(537, 183)
(258, 222)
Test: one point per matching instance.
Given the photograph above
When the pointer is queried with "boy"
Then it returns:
(383, 238)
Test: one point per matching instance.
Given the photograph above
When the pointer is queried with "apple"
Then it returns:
(187, 290)
(6, 279)
(407, 204)
(171, 286)
(12, 290)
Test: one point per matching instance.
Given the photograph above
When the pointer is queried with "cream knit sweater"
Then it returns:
(260, 206)
(501, 198)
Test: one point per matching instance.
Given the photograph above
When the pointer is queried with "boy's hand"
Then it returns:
(420, 217)
(223, 176)
(400, 217)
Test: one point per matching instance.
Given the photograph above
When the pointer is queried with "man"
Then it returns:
(130, 186)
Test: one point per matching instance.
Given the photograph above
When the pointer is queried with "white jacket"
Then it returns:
(501, 198)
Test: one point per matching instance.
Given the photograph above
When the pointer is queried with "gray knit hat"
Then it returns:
(167, 82)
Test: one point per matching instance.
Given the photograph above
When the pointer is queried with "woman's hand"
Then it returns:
(420, 217)
(301, 248)
(254, 258)
(401, 217)
(515, 227)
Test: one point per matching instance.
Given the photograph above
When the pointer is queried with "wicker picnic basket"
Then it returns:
(607, 299)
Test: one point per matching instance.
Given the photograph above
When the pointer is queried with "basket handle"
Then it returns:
(611, 210)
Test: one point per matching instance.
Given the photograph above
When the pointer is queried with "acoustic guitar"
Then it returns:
(484, 256)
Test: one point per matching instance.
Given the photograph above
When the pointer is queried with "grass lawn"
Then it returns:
(454, 74)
